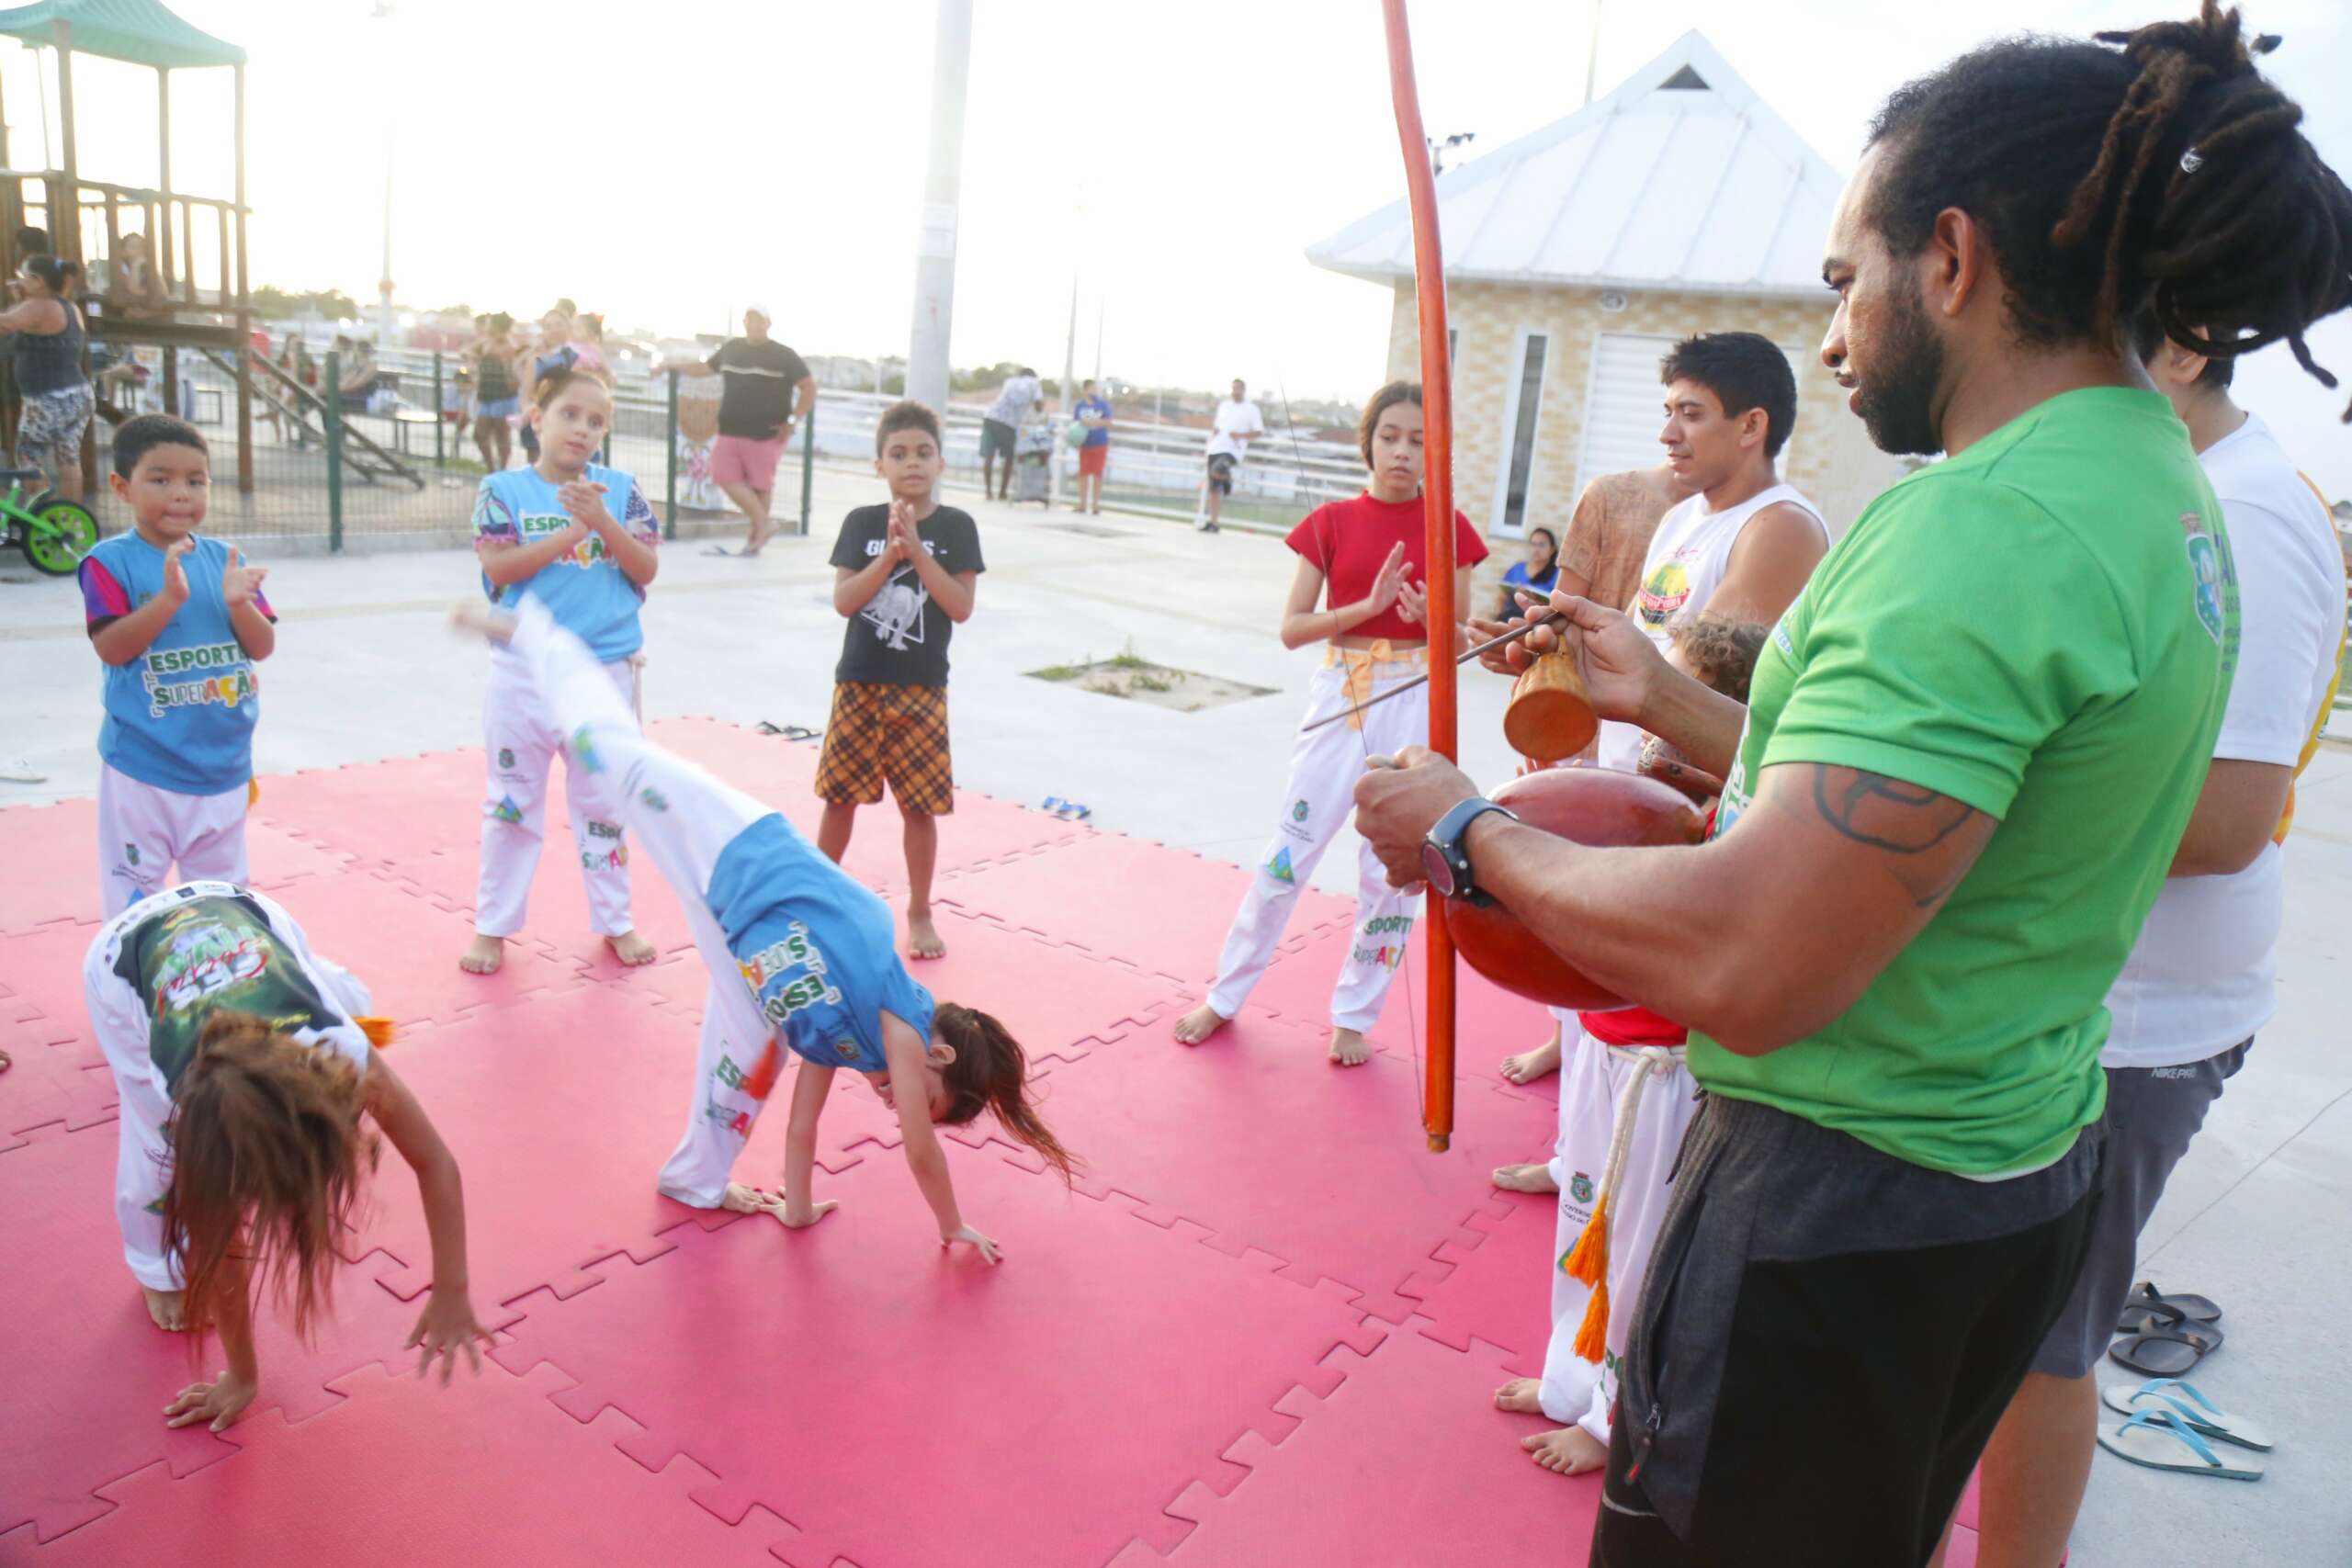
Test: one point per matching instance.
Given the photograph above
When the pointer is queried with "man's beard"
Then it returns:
(1898, 401)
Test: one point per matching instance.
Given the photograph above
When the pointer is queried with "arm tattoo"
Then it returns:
(1903, 819)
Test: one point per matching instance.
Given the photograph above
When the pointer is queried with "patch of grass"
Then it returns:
(1128, 659)
(1154, 681)
(1062, 671)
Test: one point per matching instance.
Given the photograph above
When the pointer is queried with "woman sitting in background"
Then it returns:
(1536, 573)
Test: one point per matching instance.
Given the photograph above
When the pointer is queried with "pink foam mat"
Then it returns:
(1156, 908)
(1416, 1422)
(1489, 1022)
(53, 867)
(760, 1354)
(690, 1387)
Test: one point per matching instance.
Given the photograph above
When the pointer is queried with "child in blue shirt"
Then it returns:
(580, 539)
(180, 622)
(801, 959)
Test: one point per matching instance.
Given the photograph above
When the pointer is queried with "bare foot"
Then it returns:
(1348, 1048)
(1199, 1024)
(1571, 1450)
(1520, 1395)
(743, 1199)
(484, 956)
(165, 1307)
(632, 948)
(1529, 1066)
(1525, 1179)
(922, 937)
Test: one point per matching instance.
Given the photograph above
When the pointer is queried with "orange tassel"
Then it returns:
(252, 794)
(380, 1032)
(1592, 1334)
(1588, 1259)
(762, 1077)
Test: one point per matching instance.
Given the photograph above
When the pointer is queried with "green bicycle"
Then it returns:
(54, 532)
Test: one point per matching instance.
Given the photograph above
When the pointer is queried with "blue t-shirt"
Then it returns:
(587, 592)
(1100, 409)
(1517, 578)
(817, 950)
(180, 717)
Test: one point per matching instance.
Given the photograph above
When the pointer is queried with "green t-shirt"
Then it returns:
(2043, 628)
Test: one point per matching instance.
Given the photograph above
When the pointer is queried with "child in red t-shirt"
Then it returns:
(1628, 1062)
(1361, 562)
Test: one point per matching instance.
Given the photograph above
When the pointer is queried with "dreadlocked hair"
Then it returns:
(2164, 174)
(268, 1159)
(991, 1073)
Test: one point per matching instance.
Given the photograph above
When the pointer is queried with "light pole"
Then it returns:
(383, 13)
(935, 241)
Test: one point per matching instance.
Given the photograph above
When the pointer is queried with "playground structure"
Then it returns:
(200, 301)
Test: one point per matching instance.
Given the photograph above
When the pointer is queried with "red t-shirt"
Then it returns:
(1347, 540)
(1638, 1026)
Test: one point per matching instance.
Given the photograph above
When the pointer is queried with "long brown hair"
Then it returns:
(991, 1073)
(267, 1163)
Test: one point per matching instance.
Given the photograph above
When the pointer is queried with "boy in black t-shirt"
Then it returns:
(904, 576)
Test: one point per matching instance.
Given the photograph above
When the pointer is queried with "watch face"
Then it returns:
(1438, 869)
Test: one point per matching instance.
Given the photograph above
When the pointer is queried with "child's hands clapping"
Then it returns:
(905, 540)
(239, 582)
(175, 574)
(584, 501)
(1390, 582)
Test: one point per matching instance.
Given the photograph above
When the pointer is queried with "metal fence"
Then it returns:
(395, 466)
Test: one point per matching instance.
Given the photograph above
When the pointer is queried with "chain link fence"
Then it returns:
(391, 461)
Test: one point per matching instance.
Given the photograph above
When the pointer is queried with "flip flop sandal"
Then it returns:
(2160, 1441)
(2166, 1352)
(789, 731)
(2188, 1404)
(716, 550)
(2146, 1305)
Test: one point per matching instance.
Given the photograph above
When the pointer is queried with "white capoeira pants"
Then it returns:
(520, 740)
(1593, 1081)
(143, 1163)
(685, 819)
(143, 831)
(1318, 801)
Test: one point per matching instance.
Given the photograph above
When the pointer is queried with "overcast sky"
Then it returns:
(664, 163)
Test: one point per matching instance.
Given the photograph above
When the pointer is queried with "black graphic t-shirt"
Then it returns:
(901, 639)
(214, 950)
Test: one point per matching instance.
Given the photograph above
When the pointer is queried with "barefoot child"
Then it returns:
(800, 960)
(1370, 551)
(1628, 1063)
(905, 578)
(580, 539)
(245, 1069)
(180, 622)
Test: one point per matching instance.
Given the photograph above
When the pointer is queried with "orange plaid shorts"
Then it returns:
(884, 734)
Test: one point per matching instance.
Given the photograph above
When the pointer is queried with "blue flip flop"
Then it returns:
(2159, 1439)
(2189, 1403)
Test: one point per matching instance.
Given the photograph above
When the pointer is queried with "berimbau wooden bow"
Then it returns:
(1437, 504)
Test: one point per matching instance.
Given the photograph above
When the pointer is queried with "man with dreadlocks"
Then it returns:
(1971, 752)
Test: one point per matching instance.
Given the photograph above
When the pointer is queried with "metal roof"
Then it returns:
(141, 31)
(1680, 178)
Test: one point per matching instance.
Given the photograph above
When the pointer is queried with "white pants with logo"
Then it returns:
(143, 1166)
(684, 818)
(520, 740)
(1317, 802)
(143, 831)
(1592, 1078)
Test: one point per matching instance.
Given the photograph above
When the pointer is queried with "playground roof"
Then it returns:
(141, 31)
(1682, 178)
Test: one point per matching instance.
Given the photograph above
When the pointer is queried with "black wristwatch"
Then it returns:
(1445, 854)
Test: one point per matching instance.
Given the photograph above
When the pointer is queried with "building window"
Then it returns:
(1523, 408)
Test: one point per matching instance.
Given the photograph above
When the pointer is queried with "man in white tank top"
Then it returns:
(1744, 544)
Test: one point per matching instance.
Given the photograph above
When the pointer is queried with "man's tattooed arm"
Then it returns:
(1930, 841)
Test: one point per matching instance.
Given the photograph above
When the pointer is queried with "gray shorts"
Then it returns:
(996, 436)
(2152, 1114)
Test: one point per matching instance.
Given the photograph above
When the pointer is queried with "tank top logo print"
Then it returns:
(1664, 593)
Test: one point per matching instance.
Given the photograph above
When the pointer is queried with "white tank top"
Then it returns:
(1684, 567)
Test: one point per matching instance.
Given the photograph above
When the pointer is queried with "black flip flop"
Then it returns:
(2146, 1307)
(2166, 1352)
(790, 731)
